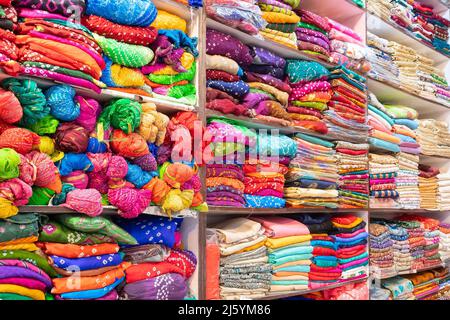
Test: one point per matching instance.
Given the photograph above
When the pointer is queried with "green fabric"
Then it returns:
(123, 114)
(283, 260)
(315, 140)
(41, 196)
(48, 296)
(225, 148)
(58, 233)
(401, 112)
(361, 256)
(349, 73)
(22, 225)
(45, 126)
(13, 296)
(60, 198)
(289, 282)
(96, 224)
(293, 3)
(178, 92)
(310, 104)
(282, 27)
(169, 79)
(31, 98)
(9, 164)
(128, 55)
(306, 244)
(270, 96)
(30, 257)
(310, 26)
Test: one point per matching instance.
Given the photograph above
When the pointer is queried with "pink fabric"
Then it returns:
(25, 282)
(351, 235)
(344, 29)
(16, 191)
(46, 170)
(87, 201)
(78, 179)
(20, 263)
(269, 193)
(117, 168)
(98, 181)
(100, 161)
(38, 14)
(308, 88)
(89, 112)
(28, 171)
(280, 227)
(339, 35)
(353, 263)
(130, 202)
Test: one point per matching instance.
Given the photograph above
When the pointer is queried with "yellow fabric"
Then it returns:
(31, 239)
(281, 96)
(221, 63)
(126, 77)
(177, 200)
(20, 246)
(348, 226)
(276, 17)
(7, 209)
(286, 241)
(166, 20)
(187, 60)
(47, 146)
(279, 39)
(253, 247)
(23, 291)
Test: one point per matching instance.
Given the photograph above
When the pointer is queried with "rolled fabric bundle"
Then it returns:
(10, 108)
(9, 164)
(45, 126)
(16, 191)
(74, 161)
(100, 161)
(89, 111)
(164, 153)
(27, 170)
(63, 106)
(117, 76)
(130, 202)
(79, 179)
(7, 209)
(176, 174)
(133, 35)
(60, 198)
(98, 181)
(169, 286)
(177, 200)
(159, 188)
(41, 196)
(128, 55)
(117, 168)
(47, 146)
(128, 146)
(137, 176)
(87, 201)
(123, 114)
(31, 98)
(192, 184)
(71, 138)
(46, 171)
(95, 146)
(119, 11)
(147, 162)
(19, 139)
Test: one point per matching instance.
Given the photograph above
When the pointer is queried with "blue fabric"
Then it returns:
(325, 261)
(74, 161)
(181, 40)
(280, 145)
(350, 244)
(89, 263)
(300, 268)
(236, 89)
(315, 140)
(358, 257)
(382, 114)
(405, 138)
(95, 146)
(139, 177)
(60, 99)
(92, 294)
(323, 243)
(252, 201)
(128, 12)
(288, 251)
(362, 235)
(385, 145)
(412, 124)
(148, 229)
(106, 77)
(282, 260)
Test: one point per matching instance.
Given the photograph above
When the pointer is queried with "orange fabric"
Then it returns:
(85, 273)
(302, 117)
(72, 284)
(198, 199)
(319, 96)
(384, 136)
(404, 131)
(139, 92)
(212, 271)
(56, 185)
(159, 189)
(58, 54)
(289, 273)
(31, 239)
(177, 173)
(128, 145)
(219, 181)
(75, 251)
(157, 85)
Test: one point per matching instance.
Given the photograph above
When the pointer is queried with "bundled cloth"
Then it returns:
(407, 181)
(428, 187)
(433, 137)
(382, 262)
(383, 170)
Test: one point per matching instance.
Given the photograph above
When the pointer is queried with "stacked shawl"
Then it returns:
(444, 191)
(383, 170)
(428, 187)
(433, 137)
(444, 242)
(379, 54)
(407, 181)
(381, 251)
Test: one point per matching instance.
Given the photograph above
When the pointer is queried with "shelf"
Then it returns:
(216, 211)
(289, 294)
(106, 95)
(107, 210)
(406, 272)
(390, 94)
(390, 31)
(437, 5)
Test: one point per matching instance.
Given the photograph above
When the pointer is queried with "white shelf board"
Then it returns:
(392, 95)
(389, 31)
(438, 6)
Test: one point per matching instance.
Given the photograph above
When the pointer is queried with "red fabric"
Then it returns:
(130, 146)
(348, 94)
(324, 275)
(317, 126)
(226, 107)
(344, 219)
(7, 44)
(322, 251)
(10, 108)
(19, 139)
(181, 260)
(129, 34)
(351, 251)
(221, 75)
(5, 3)
(150, 270)
(317, 269)
(213, 94)
(307, 111)
(352, 152)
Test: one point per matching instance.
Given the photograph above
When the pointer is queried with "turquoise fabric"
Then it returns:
(382, 114)
(283, 260)
(289, 251)
(385, 145)
(315, 140)
(361, 256)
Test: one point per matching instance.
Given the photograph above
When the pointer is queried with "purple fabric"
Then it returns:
(225, 203)
(38, 14)
(254, 98)
(262, 109)
(147, 162)
(410, 150)
(265, 57)
(313, 33)
(218, 43)
(224, 188)
(268, 79)
(25, 282)
(169, 286)
(18, 272)
(266, 69)
(222, 195)
(220, 170)
(315, 40)
(409, 145)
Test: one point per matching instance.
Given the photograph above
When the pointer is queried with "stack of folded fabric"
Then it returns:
(312, 35)
(405, 59)
(310, 94)
(399, 287)
(282, 21)
(416, 239)
(244, 267)
(379, 55)
(434, 138)
(289, 251)
(225, 186)
(444, 283)
(10, 51)
(425, 283)
(353, 168)
(352, 291)
(158, 269)
(351, 241)
(53, 47)
(240, 14)
(432, 81)
(24, 275)
(381, 8)
(312, 177)
(403, 259)
(428, 187)
(383, 170)
(381, 135)
(264, 175)
(444, 191)
(407, 181)
(444, 242)
(346, 114)
(347, 47)
(85, 249)
(381, 251)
